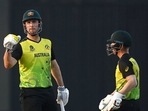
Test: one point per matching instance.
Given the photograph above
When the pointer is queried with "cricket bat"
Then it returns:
(62, 106)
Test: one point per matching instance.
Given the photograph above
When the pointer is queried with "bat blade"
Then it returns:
(62, 106)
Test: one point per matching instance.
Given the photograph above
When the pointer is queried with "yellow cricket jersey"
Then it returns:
(34, 63)
(127, 66)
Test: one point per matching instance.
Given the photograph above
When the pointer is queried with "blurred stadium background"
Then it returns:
(79, 30)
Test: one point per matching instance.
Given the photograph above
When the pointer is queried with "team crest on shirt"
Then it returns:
(47, 47)
(126, 69)
(31, 48)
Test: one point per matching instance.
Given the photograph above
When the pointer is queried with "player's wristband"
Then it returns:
(61, 88)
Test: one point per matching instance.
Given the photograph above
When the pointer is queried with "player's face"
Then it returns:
(32, 26)
(114, 48)
(114, 51)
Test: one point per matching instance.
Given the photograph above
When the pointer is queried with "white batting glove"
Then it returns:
(10, 40)
(63, 95)
(104, 102)
(115, 101)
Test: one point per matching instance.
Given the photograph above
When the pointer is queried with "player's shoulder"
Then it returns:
(23, 40)
(125, 59)
(45, 39)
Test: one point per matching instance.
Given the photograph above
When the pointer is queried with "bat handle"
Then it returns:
(62, 106)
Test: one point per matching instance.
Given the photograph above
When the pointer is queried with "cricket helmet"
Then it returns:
(120, 38)
(31, 14)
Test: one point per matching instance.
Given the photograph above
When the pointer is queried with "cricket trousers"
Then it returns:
(130, 105)
(38, 99)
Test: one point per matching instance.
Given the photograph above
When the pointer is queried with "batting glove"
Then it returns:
(104, 102)
(115, 101)
(10, 40)
(63, 95)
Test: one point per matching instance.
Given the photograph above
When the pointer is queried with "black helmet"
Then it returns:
(121, 36)
(31, 14)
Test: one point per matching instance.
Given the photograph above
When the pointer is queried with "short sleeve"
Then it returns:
(17, 52)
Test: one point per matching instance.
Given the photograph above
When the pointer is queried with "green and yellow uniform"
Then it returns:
(34, 60)
(128, 66)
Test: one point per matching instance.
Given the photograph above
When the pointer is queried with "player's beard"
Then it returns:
(33, 33)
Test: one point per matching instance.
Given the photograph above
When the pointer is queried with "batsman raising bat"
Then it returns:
(126, 95)
(37, 64)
